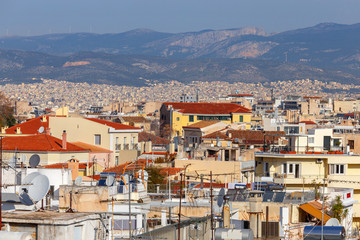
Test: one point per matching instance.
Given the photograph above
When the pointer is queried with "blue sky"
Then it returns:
(35, 17)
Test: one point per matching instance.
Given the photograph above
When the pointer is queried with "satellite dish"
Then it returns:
(220, 198)
(78, 181)
(332, 222)
(35, 187)
(110, 180)
(34, 160)
(41, 129)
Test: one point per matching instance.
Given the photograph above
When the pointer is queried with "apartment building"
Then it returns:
(175, 115)
(121, 139)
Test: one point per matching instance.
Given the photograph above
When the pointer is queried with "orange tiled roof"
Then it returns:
(215, 135)
(145, 136)
(208, 108)
(135, 119)
(91, 148)
(170, 171)
(308, 122)
(201, 124)
(65, 165)
(39, 143)
(31, 126)
(117, 126)
(214, 185)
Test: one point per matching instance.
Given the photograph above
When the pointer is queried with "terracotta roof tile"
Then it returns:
(308, 122)
(31, 126)
(135, 119)
(38, 143)
(208, 108)
(155, 140)
(91, 148)
(65, 165)
(201, 124)
(117, 126)
(215, 135)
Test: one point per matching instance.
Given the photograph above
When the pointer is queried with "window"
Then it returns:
(311, 140)
(291, 169)
(191, 118)
(125, 147)
(116, 160)
(97, 139)
(351, 144)
(336, 169)
(177, 119)
(241, 118)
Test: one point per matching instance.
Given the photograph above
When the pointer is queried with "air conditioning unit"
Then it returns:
(319, 160)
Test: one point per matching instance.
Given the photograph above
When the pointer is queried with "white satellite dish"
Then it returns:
(110, 180)
(34, 161)
(41, 129)
(78, 181)
(332, 222)
(35, 187)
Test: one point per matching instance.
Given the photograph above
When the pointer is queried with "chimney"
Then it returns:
(18, 131)
(44, 118)
(73, 164)
(64, 140)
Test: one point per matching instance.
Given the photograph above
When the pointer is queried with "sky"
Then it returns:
(36, 17)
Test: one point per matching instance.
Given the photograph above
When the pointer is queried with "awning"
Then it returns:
(312, 208)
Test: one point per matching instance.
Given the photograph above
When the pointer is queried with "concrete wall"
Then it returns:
(230, 170)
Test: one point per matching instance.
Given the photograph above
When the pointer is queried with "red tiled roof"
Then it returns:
(38, 143)
(31, 126)
(215, 135)
(208, 108)
(214, 185)
(170, 171)
(91, 148)
(309, 97)
(201, 124)
(65, 165)
(308, 122)
(117, 126)
(155, 140)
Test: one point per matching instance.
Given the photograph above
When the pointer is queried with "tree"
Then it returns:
(337, 209)
(6, 112)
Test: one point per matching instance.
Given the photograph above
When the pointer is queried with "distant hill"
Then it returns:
(136, 70)
(327, 51)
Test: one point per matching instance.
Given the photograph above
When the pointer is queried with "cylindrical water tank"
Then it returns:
(329, 233)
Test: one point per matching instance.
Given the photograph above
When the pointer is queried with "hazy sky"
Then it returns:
(34, 17)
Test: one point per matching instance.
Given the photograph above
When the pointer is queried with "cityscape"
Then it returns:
(179, 120)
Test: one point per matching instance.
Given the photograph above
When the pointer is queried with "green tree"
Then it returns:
(155, 177)
(337, 209)
(6, 112)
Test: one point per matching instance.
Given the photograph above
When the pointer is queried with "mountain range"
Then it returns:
(326, 52)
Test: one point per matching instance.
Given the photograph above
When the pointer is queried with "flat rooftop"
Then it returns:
(46, 217)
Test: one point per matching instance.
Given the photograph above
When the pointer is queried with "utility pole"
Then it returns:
(212, 215)
(1, 155)
(322, 212)
(130, 237)
(180, 205)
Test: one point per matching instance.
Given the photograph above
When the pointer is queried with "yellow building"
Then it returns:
(304, 171)
(175, 115)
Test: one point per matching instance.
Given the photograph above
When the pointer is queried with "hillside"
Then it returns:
(136, 70)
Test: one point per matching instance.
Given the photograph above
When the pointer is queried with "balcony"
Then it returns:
(306, 150)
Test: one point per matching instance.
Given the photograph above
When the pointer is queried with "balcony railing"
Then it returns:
(304, 150)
